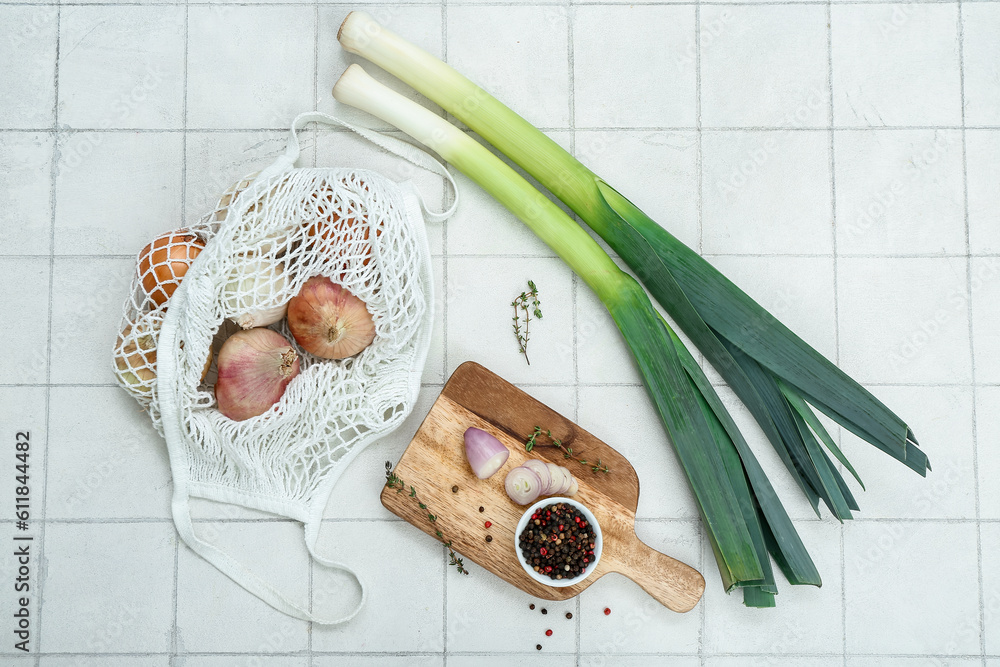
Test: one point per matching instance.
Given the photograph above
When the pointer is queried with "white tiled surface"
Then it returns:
(839, 160)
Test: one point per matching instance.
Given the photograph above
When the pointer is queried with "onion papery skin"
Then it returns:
(330, 231)
(255, 281)
(163, 263)
(255, 368)
(252, 216)
(136, 356)
(486, 454)
(329, 322)
(261, 318)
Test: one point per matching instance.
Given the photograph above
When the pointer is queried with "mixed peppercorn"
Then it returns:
(569, 616)
(558, 542)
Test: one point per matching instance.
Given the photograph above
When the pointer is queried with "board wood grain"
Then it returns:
(434, 463)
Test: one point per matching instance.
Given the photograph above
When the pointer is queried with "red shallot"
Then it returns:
(328, 321)
(522, 485)
(485, 453)
(255, 367)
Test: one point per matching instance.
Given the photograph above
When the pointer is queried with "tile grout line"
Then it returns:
(510, 654)
(701, 247)
(174, 639)
(703, 612)
(311, 569)
(575, 283)
(42, 568)
(362, 519)
(282, 131)
(836, 301)
(568, 385)
(444, 308)
(487, 255)
(699, 167)
(972, 341)
(499, 3)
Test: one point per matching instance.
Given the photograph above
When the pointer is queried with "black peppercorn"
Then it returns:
(454, 489)
(531, 606)
(544, 610)
(482, 509)
(489, 538)
(569, 614)
(538, 647)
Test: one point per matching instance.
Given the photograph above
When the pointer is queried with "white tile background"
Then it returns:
(840, 160)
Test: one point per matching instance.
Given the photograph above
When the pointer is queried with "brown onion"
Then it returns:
(163, 263)
(255, 367)
(330, 230)
(135, 355)
(328, 321)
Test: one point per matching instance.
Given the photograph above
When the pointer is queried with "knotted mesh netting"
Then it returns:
(254, 252)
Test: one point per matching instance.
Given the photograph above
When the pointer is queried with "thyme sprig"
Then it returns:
(528, 304)
(393, 481)
(599, 466)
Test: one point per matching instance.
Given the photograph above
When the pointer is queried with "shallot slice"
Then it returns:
(522, 485)
(555, 479)
(567, 480)
(542, 470)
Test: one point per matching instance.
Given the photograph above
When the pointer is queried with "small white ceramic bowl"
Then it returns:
(598, 542)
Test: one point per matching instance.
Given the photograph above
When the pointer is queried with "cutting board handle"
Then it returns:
(674, 584)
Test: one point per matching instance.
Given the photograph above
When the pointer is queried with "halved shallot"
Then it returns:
(485, 453)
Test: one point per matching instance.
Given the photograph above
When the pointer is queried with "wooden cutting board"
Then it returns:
(434, 463)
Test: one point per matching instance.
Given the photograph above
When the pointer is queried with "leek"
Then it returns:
(743, 518)
(778, 376)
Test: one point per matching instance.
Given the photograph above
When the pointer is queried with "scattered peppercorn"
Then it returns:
(488, 524)
(548, 633)
(489, 538)
(607, 611)
(538, 647)
(482, 509)
(569, 614)
(454, 489)
(558, 542)
(544, 610)
(531, 606)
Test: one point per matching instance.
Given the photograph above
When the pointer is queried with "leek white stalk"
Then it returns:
(357, 89)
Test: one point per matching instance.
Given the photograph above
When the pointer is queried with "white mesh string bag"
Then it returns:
(267, 237)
